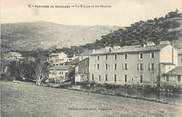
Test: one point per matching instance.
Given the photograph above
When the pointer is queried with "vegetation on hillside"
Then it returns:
(157, 29)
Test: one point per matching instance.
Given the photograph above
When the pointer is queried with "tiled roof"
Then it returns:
(175, 71)
(127, 49)
(61, 67)
(74, 61)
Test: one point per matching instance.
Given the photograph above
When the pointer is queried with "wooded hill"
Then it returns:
(42, 36)
(168, 28)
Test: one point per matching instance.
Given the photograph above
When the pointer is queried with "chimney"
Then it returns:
(116, 47)
(144, 45)
(150, 43)
(93, 50)
(108, 49)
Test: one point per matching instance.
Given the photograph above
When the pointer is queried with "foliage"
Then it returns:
(14, 70)
(33, 67)
(162, 28)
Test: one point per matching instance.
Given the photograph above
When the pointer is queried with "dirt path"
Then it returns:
(27, 100)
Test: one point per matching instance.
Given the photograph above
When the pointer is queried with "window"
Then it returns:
(152, 55)
(125, 56)
(106, 56)
(92, 77)
(167, 78)
(98, 66)
(115, 77)
(106, 66)
(179, 78)
(99, 77)
(141, 66)
(106, 77)
(137, 66)
(141, 55)
(152, 66)
(125, 66)
(115, 67)
(141, 78)
(98, 58)
(125, 77)
(115, 56)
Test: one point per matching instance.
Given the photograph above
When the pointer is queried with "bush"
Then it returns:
(7, 77)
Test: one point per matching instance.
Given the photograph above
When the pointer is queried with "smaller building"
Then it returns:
(13, 56)
(81, 71)
(166, 67)
(73, 58)
(57, 58)
(82, 68)
(179, 57)
(173, 77)
(61, 73)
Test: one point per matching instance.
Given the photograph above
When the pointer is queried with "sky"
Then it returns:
(121, 12)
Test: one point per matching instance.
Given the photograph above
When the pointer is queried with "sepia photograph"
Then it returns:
(91, 58)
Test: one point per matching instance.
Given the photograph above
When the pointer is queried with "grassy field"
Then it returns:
(27, 100)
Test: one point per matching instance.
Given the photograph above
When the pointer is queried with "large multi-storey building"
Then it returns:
(180, 57)
(132, 64)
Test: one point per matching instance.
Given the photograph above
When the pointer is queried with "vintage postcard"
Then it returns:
(91, 58)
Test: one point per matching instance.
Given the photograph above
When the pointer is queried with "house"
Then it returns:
(139, 64)
(82, 68)
(180, 57)
(57, 58)
(74, 61)
(82, 71)
(172, 77)
(60, 73)
(13, 56)
(73, 58)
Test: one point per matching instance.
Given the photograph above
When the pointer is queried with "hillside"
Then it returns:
(44, 35)
(76, 39)
(168, 27)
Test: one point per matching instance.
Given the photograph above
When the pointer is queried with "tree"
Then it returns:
(14, 70)
(27, 71)
(41, 68)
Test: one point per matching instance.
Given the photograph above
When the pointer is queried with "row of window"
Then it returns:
(56, 73)
(126, 56)
(139, 66)
(115, 78)
(179, 78)
(115, 66)
(57, 64)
